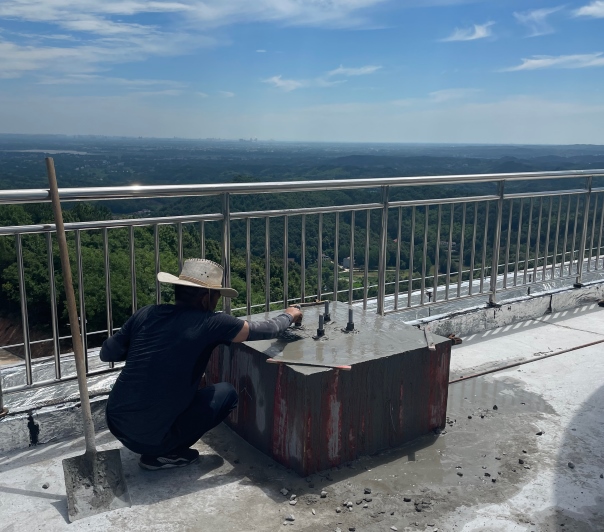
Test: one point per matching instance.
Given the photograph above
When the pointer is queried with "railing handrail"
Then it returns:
(40, 195)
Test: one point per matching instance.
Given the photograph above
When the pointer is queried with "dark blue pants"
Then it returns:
(208, 409)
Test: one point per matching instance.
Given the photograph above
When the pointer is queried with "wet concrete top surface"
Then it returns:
(373, 336)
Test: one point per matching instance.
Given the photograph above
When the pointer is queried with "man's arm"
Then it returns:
(115, 348)
(268, 329)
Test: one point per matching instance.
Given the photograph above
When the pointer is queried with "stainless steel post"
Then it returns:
(397, 273)
(527, 250)
(411, 253)
(108, 305)
(248, 266)
(517, 261)
(202, 239)
(366, 271)
(226, 247)
(563, 261)
(133, 271)
(351, 265)
(180, 246)
(303, 260)
(485, 240)
(157, 263)
(496, 244)
(462, 239)
(507, 247)
(320, 260)
(581, 259)
(448, 276)
(425, 254)
(285, 262)
(556, 238)
(336, 267)
(547, 235)
(382, 253)
(437, 253)
(593, 234)
(267, 264)
(24, 313)
(82, 300)
(56, 348)
(473, 252)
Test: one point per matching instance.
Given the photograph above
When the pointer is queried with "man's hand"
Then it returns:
(295, 313)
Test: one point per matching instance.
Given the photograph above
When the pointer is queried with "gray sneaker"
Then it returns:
(169, 461)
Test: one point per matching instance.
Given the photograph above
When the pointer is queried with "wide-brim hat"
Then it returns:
(200, 273)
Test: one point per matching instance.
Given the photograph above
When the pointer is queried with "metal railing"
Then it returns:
(428, 251)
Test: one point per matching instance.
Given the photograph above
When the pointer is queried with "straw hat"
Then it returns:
(200, 273)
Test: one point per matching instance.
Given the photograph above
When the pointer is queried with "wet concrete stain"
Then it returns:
(34, 429)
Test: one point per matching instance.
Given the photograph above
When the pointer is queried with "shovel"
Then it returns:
(94, 481)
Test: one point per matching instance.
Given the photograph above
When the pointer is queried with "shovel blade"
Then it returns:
(95, 483)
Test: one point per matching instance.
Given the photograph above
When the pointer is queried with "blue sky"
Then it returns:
(490, 71)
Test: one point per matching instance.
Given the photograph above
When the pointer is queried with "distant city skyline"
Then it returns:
(418, 71)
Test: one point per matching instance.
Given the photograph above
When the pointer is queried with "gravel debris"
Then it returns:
(459, 474)
(313, 512)
(45, 485)
(338, 510)
(521, 461)
(292, 497)
(283, 491)
(407, 499)
(294, 502)
(367, 491)
(368, 499)
(290, 517)
(323, 494)
(571, 465)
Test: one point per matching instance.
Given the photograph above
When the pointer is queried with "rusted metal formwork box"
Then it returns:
(309, 418)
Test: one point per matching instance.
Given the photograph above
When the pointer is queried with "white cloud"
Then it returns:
(287, 85)
(360, 71)
(595, 10)
(536, 20)
(202, 94)
(261, 51)
(478, 31)
(80, 79)
(561, 61)
(447, 95)
(226, 94)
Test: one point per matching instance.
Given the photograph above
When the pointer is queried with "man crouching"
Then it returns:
(156, 408)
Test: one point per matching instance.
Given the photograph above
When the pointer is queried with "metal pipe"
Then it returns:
(538, 242)
(473, 252)
(303, 260)
(381, 296)
(336, 267)
(82, 300)
(397, 275)
(248, 266)
(54, 320)
(557, 237)
(496, 243)
(107, 270)
(528, 241)
(462, 239)
(448, 277)
(563, 261)
(226, 247)
(411, 253)
(593, 233)
(267, 264)
(180, 250)
(507, 247)
(133, 271)
(600, 237)
(320, 260)
(485, 238)
(351, 265)
(157, 263)
(572, 248)
(366, 272)
(546, 252)
(286, 262)
(159, 191)
(202, 238)
(518, 242)
(24, 313)
(437, 254)
(425, 253)
(584, 231)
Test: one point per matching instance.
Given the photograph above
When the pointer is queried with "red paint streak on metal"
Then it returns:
(280, 417)
(333, 429)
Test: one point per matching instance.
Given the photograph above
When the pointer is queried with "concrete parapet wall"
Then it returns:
(479, 319)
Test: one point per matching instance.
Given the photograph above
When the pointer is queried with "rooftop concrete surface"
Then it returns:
(549, 414)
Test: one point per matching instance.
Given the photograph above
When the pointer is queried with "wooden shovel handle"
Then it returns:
(74, 322)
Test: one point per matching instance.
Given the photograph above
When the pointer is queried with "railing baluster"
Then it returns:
(462, 239)
(157, 263)
(56, 347)
(133, 271)
(593, 233)
(397, 273)
(82, 301)
(202, 239)
(248, 266)
(581, 260)
(411, 253)
(518, 242)
(108, 302)
(572, 248)
(24, 313)
(180, 246)
(563, 261)
(448, 277)
(285, 261)
(485, 238)
(320, 260)
(473, 252)
(366, 272)
(600, 237)
(437, 254)
(226, 247)
(507, 247)
(336, 267)
(381, 296)
(303, 260)
(351, 265)
(267, 264)
(527, 250)
(556, 238)
(496, 244)
(425, 253)
(537, 244)
(547, 234)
